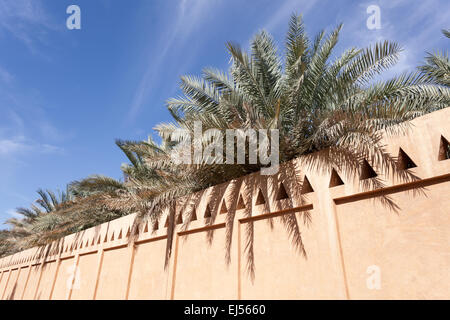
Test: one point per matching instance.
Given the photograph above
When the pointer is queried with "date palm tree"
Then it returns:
(85, 205)
(317, 99)
(316, 103)
(23, 230)
(437, 66)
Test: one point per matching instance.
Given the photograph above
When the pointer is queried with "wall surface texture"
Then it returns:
(360, 241)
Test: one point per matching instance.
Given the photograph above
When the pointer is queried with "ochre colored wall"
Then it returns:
(347, 232)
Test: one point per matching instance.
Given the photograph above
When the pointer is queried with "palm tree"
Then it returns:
(8, 243)
(23, 230)
(85, 206)
(317, 103)
(437, 67)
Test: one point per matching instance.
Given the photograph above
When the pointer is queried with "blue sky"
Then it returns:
(65, 95)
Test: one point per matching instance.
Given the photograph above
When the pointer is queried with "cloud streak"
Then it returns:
(5, 76)
(26, 20)
(189, 14)
(14, 141)
(281, 16)
(11, 147)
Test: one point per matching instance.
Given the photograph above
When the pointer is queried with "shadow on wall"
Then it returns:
(289, 184)
(13, 292)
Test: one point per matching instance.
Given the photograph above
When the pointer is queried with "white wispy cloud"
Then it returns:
(14, 146)
(26, 20)
(11, 146)
(15, 140)
(49, 148)
(281, 16)
(189, 14)
(49, 132)
(5, 76)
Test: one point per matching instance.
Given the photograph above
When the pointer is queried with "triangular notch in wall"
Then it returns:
(223, 207)
(306, 186)
(207, 212)
(241, 203)
(194, 214)
(404, 162)
(335, 180)
(444, 149)
(367, 171)
(282, 194)
(180, 219)
(260, 198)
